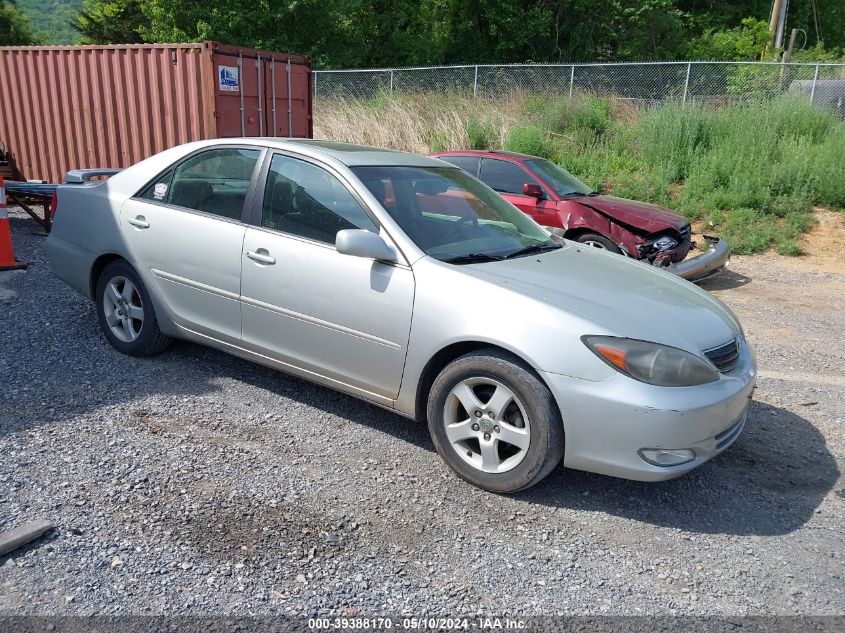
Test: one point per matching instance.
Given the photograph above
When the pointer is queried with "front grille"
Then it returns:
(725, 356)
(685, 232)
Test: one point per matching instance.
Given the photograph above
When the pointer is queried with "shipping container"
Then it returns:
(71, 107)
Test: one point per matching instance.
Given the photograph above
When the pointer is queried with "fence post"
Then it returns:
(686, 83)
(475, 83)
(571, 80)
(391, 82)
(815, 79)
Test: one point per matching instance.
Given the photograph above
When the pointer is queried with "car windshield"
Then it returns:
(452, 216)
(564, 183)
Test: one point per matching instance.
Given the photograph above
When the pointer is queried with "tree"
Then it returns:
(355, 33)
(652, 29)
(15, 28)
(744, 43)
(110, 21)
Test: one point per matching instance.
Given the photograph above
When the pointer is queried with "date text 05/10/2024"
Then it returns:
(421, 623)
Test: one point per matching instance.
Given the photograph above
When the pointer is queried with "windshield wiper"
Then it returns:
(534, 248)
(474, 258)
(575, 194)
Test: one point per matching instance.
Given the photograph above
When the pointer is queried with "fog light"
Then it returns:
(666, 456)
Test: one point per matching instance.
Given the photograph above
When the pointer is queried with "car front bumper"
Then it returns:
(606, 423)
(697, 268)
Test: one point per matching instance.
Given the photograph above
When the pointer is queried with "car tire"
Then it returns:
(126, 313)
(599, 241)
(513, 438)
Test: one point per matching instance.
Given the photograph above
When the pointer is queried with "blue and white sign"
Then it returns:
(228, 79)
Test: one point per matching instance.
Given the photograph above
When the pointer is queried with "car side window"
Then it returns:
(215, 181)
(303, 199)
(504, 176)
(469, 164)
(158, 190)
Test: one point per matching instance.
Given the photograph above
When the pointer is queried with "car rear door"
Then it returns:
(345, 318)
(506, 178)
(185, 232)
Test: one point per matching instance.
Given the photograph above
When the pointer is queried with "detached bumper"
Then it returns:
(717, 256)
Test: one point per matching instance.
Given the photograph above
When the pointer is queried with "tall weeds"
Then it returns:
(750, 173)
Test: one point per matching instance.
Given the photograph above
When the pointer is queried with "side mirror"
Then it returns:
(533, 189)
(361, 243)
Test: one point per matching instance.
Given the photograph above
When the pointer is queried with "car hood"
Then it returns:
(642, 215)
(624, 296)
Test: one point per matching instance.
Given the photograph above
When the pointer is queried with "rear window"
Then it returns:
(469, 164)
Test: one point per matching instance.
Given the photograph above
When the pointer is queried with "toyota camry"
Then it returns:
(405, 281)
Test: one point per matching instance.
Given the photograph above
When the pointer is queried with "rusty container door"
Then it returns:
(238, 95)
(288, 98)
(261, 93)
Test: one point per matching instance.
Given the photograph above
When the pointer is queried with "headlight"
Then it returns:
(652, 363)
(665, 243)
(660, 245)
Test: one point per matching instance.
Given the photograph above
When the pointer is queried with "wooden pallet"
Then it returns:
(6, 171)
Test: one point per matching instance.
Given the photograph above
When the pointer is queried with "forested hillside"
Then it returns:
(52, 19)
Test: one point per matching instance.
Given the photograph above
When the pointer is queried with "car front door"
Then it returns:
(185, 232)
(345, 318)
(507, 179)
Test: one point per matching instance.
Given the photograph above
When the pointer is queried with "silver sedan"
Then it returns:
(406, 282)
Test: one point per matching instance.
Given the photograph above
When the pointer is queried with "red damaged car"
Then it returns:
(571, 209)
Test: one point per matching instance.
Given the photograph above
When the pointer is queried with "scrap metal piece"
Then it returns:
(15, 538)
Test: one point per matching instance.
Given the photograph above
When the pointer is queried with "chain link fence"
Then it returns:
(644, 83)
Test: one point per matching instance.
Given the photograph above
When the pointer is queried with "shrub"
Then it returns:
(481, 134)
(528, 139)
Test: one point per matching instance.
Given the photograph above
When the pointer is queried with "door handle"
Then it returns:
(262, 256)
(139, 221)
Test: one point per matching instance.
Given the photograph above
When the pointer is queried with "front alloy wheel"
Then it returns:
(487, 425)
(494, 422)
(594, 240)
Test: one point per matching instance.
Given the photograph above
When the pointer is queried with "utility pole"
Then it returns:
(787, 56)
(774, 20)
(784, 8)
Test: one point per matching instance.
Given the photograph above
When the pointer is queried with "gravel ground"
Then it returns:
(198, 483)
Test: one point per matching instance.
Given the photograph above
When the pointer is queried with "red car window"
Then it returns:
(470, 164)
(504, 176)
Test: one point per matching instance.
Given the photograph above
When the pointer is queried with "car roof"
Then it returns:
(488, 153)
(350, 154)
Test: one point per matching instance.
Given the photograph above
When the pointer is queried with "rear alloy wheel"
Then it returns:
(598, 241)
(494, 422)
(126, 313)
(123, 309)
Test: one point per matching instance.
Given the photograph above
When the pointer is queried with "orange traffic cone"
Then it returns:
(7, 252)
